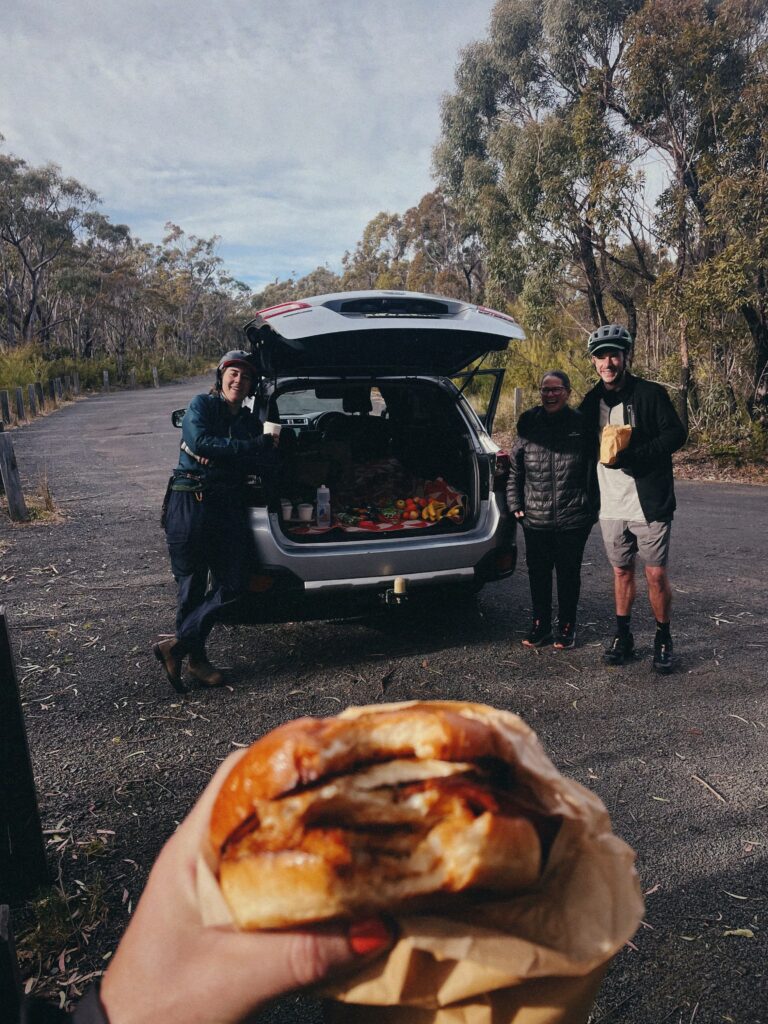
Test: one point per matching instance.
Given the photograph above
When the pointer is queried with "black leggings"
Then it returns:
(561, 550)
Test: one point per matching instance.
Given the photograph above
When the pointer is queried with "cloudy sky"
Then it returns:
(282, 127)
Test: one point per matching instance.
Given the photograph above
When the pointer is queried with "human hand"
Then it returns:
(170, 967)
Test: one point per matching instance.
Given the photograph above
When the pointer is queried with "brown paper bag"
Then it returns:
(536, 958)
(614, 439)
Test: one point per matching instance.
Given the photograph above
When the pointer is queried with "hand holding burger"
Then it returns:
(170, 967)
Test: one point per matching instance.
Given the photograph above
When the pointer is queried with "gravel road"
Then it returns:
(680, 762)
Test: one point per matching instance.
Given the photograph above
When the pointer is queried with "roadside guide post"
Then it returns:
(40, 395)
(20, 414)
(10, 982)
(155, 377)
(23, 866)
(5, 407)
(9, 474)
(32, 401)
(105, 381)
(518, 403)
(76, 382)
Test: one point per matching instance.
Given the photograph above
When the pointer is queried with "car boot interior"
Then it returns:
(395, 457)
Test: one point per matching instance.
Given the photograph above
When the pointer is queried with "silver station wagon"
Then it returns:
(391, 487)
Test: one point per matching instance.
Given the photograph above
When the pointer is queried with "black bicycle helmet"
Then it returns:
(237, 357)
(610, 336)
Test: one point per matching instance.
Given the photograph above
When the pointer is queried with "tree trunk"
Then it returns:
(757, 404)
(685, 372)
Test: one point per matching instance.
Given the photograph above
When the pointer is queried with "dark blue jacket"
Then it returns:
(234, 445)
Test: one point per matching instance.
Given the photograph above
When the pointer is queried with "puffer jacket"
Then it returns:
(551, 475)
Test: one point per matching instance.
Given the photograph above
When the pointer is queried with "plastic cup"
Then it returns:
(305, 511)
(286, 508)
(272, 428)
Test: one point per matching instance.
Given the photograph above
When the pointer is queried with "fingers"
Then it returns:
(193, 829)
(279, 962)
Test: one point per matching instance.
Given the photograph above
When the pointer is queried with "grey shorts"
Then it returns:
(623, 540)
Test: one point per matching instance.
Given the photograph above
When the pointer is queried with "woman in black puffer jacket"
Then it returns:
(551, 492)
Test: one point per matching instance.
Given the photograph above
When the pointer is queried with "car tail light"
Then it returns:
(283, 307)
(501, 467)
(497, 314)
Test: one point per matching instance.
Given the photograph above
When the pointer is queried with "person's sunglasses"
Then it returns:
(551, 391)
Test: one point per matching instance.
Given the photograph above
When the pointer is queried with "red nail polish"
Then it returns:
(369, 936)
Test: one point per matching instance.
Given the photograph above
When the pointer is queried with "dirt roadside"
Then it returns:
(119, 758)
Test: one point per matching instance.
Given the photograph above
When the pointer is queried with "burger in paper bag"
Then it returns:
(377, 809)
(613, 439)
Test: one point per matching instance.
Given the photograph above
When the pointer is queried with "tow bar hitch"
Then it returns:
(397, 592)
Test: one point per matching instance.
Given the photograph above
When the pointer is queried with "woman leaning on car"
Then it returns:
(204, 516)
(552, 494)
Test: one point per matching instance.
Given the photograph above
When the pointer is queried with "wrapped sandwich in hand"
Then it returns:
(614, 438)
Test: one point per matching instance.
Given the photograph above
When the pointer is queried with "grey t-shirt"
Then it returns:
(618, 491)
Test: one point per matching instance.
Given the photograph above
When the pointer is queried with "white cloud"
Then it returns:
(283, 128)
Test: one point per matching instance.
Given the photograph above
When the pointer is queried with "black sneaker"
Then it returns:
(662, 655)
(622, 649)
(566, 636)
(540, 633)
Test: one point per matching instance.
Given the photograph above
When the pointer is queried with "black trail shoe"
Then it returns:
(539, 634)
(663, 661)
(566, 636)
(622, 649)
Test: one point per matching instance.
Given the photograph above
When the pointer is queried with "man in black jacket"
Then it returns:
(637, 496)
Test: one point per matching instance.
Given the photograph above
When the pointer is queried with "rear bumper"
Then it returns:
(373, 563)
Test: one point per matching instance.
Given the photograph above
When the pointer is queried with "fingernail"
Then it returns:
(369, 936)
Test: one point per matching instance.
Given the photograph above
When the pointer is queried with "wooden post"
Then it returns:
(10, 981)
(5, 407)
(76, 382)
(132, 379)
(20, 414)
(155, 377)
(105, 381)
(23, 867)
(9, 473)
(52, 392)
(32, 400)
(40, 395)
(59, 389)
(67, 384)
(518, 403)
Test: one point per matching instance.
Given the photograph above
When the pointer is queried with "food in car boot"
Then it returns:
(387, 809)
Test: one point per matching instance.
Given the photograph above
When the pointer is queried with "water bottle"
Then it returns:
(323, 506)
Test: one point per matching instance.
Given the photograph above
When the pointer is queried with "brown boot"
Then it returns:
(163, 651)
(203, 670)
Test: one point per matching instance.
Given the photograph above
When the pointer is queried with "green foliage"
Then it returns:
(28, 364)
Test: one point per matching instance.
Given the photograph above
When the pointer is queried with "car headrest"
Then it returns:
(357, 401)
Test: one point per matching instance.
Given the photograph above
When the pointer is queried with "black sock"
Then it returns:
(662, 630)
(622, 624)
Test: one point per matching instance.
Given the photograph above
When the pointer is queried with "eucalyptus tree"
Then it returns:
(532, 153)
(41, 214)
(695, 90)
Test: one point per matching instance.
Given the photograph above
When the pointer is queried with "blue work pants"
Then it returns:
(207, 533)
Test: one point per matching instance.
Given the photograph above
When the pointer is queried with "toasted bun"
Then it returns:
(376, 810)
